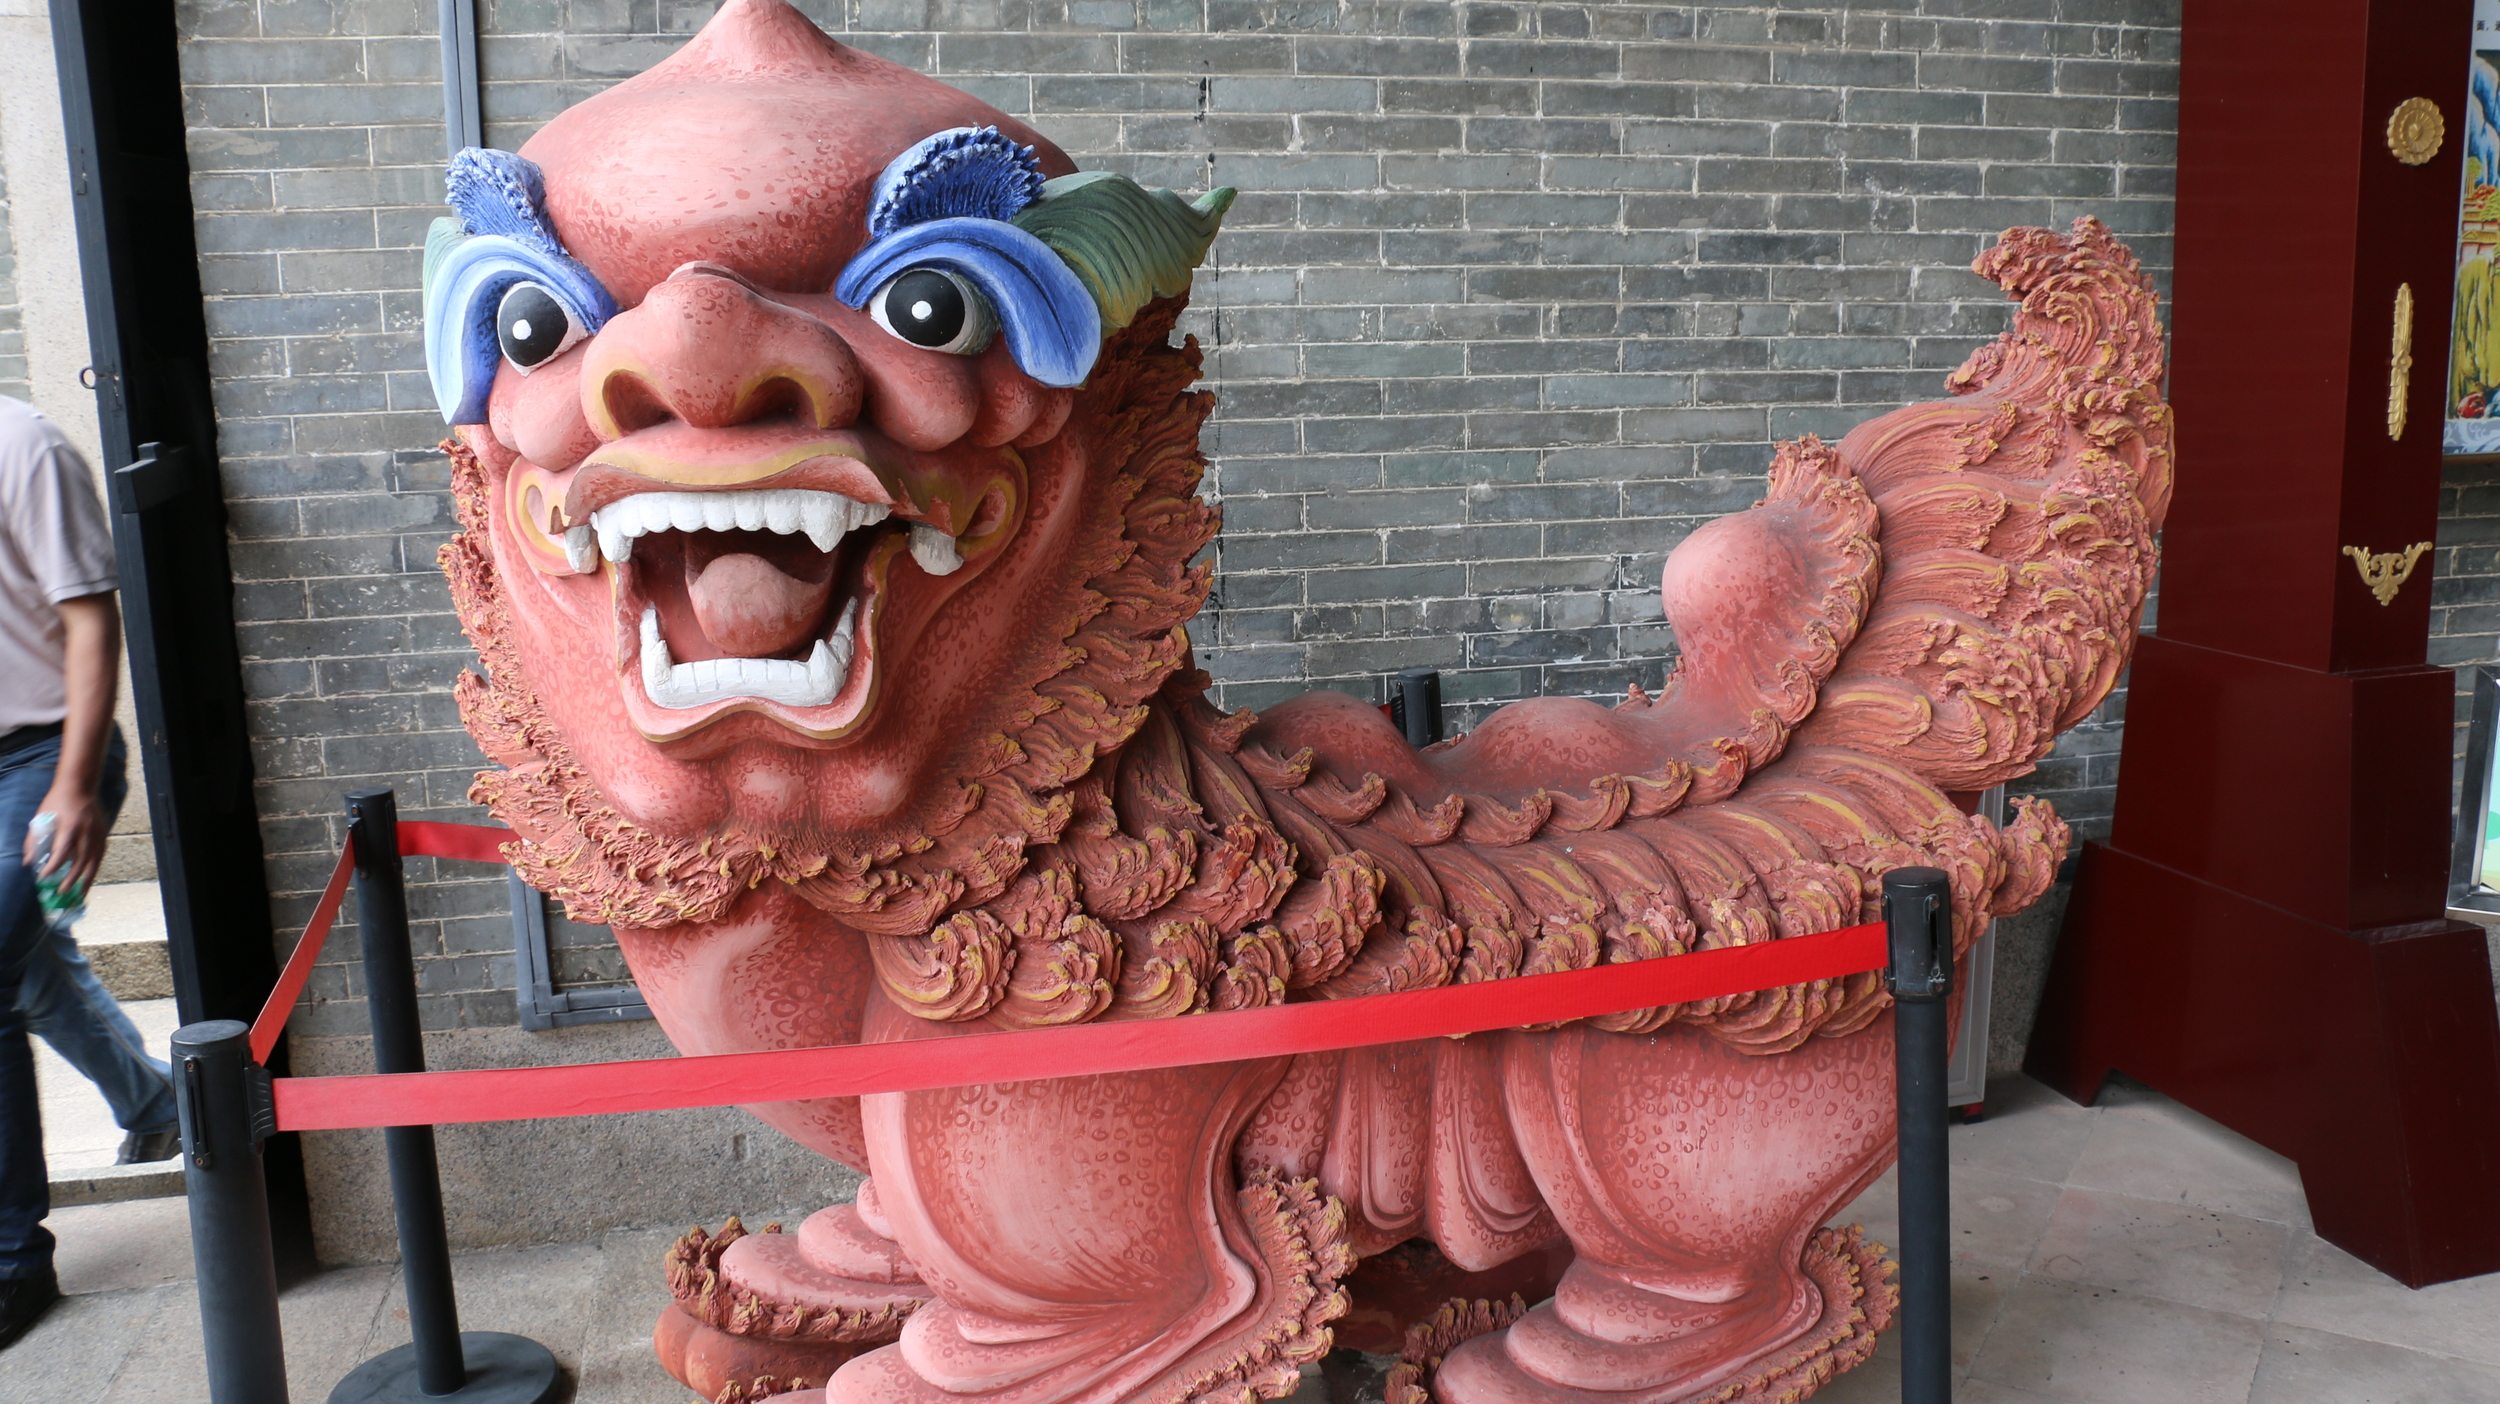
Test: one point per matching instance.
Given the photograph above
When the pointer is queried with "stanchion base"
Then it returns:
(503, 1369)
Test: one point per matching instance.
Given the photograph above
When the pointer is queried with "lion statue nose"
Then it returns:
(706, 348)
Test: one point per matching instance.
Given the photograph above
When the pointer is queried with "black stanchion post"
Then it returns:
(1918, 919)
(223, 1098)
(441, 1361)
(399, 1047)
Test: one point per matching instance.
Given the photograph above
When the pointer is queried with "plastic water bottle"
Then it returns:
(61, 905)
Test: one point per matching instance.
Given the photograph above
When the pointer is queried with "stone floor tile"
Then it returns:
(328, 1324)
(2151, 1248)
(2080, 1344)
(626, 1298)
(2028, 1130)
(115, 1247)
(1996, 1217)
(2328, 1289)
(2315, 1367)
(166, 1364)
(2151, 1147)
(540, 1293)
(77, 1349)
(631, 1288)
(1978, 1300)
(332, 1324)
(1988, 1392)
(622, 1381)
(533, 1292)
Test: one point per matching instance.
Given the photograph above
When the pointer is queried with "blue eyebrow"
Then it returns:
(499, 192)
(1052, 324)
(502, 237)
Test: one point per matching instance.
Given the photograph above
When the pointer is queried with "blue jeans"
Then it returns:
(26, 943)
(68, 1007)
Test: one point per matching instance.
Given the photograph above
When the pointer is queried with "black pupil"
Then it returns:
(530, 324)
(925, 308)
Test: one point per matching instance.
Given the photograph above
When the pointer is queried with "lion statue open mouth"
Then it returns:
(827, 477)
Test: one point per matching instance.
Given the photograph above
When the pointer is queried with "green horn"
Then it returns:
(1127, 244)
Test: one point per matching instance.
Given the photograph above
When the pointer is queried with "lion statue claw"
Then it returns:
(827, 478)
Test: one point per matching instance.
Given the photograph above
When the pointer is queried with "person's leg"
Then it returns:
(25, 1190)
(68, 1007)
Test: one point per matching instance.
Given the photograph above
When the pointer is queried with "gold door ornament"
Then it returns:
(2415, 130)
(2386, 572)
(2400, 362)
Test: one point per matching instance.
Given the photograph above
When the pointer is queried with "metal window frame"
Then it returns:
(542, 1006)
(2468, 899)
(464, 121)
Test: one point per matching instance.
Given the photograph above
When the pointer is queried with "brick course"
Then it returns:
(1513, 298)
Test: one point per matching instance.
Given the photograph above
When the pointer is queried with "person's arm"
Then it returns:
(92, 634)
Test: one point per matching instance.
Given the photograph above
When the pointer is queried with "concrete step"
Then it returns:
(133, 970)
(111, 1184)
(123, 935)
(128, 858)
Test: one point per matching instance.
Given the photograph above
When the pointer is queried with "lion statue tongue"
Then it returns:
(749, 607)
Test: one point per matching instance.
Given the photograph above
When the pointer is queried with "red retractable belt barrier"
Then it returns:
(418, 838)
(592, 1089)
(281, 1001)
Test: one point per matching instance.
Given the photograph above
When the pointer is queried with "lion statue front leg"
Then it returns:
(1087, 1238)
(779, 1306)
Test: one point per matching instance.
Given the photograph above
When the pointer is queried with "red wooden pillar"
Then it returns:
(2264, 936)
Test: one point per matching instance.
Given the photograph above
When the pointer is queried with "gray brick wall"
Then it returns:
(13, 377)
(1514, 297)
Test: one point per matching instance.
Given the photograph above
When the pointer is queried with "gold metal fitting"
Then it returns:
(2415, 130)
(2386, 572)
(2400, 362)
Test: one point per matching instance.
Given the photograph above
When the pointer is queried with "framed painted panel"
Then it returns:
(2474, 337)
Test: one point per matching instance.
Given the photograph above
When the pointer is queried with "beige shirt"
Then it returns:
(55, 545)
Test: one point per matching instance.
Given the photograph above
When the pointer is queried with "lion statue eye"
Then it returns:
(533, 327)
(936, 309)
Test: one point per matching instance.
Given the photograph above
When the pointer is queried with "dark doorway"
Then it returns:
(121, 99)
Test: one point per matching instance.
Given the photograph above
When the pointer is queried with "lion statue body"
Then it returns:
(827, 476)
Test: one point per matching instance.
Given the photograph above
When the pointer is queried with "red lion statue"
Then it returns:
(827, 480)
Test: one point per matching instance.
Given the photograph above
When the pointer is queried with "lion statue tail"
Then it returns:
(2017, 525)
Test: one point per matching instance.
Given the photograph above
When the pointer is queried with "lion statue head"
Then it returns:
(826, 473)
